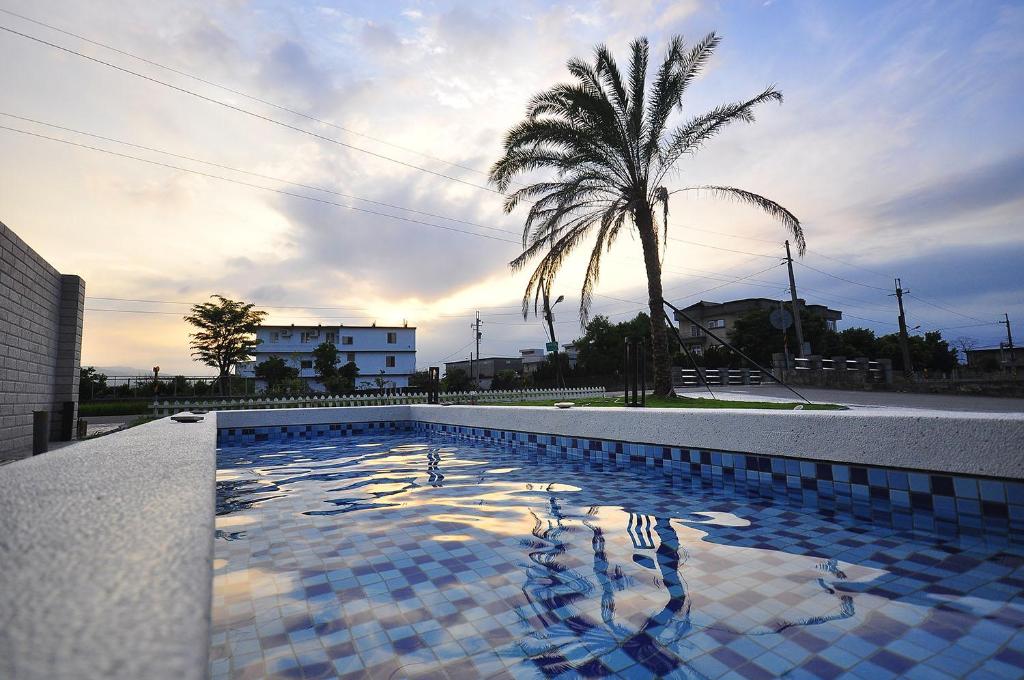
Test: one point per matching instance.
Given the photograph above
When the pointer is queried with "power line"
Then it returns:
(464, 347)
(352, 309)
(947, 309)
(153, 311)
(323, 138)
(861, 318)
(240, 93)
(834, 276)
(848, 264)
(250, 173)
(728, 250)
(247, 112)
(714, 276)
(254, 186)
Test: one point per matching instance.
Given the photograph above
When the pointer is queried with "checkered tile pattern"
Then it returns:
(420, 554)
(931, 502)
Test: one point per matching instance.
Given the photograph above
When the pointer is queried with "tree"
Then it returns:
(345, 380)
(90, 383)
(506, 380)
(600, 352)
(966, 344)
(420, 380)
(380, 382)
(754, 335)
(609, 144)
(457, 380)
(225, 335)
(325, 361)
(276, 371)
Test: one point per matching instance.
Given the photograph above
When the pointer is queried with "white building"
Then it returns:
(387, 352)
(533, 358)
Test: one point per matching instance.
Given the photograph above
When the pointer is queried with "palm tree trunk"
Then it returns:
(659, 335)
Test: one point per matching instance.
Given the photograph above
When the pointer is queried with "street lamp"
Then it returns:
(550, 319)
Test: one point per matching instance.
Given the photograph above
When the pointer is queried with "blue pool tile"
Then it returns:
(919, 481)
(877, 477)
(992, 490)
(898, 480)
(965, 487)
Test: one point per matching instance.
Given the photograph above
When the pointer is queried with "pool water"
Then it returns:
(414, 554)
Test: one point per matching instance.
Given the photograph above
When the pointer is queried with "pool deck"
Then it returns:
(107, 544)
(106, 547)
(938, 441)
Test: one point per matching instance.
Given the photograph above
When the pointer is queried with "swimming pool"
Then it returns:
(413, 554)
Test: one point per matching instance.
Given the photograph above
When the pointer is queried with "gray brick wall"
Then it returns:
(40, 342)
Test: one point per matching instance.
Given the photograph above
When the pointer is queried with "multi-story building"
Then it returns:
(380, 352)
(719, 317)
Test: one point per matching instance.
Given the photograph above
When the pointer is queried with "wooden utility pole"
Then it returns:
(796, 310)
(908, 368)
(476, 335)
(1009, 339)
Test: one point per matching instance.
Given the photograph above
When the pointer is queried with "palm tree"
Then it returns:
(610, 146)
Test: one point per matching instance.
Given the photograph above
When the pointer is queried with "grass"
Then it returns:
(132, 423)
(114, 408)
(680, 402)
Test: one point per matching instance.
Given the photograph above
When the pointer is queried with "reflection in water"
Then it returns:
(620, 564)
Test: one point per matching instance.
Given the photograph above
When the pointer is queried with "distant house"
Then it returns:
(486, 368)
(533, 358)
(995, 358)
(720, 317)
(373, 349)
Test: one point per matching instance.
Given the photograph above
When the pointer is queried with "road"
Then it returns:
(858, 399)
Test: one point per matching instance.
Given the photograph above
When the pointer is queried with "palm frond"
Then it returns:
(788, 219)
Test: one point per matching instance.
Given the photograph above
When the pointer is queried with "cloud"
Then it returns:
(883, 103)
(982, 188)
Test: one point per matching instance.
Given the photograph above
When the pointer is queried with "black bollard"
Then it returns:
(40, 432)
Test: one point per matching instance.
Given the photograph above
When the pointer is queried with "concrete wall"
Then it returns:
(40, 342)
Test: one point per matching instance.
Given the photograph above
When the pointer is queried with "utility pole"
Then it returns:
(796, 310)
(476, 335)
(908, 368)
(1009, 340)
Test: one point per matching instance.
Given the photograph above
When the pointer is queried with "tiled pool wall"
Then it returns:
(232, 436)
(947, 504)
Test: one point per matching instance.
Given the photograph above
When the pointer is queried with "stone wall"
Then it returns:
(40, 343)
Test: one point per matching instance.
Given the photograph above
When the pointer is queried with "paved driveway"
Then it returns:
(860, 399)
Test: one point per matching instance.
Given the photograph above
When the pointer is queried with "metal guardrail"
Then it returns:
(687, 377)
(166, 408)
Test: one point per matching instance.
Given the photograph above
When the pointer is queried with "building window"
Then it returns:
(831, 323)
(305, 363)
(306, 336)
(346, 339)
(274, 336)
(389, 361)
(695, 331)
(392, 338)
(350, 357)
(716, 323)
(332, 337)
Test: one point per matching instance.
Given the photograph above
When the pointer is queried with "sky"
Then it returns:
(898, 146)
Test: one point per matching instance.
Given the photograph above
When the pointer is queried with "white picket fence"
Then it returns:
(166, 408)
